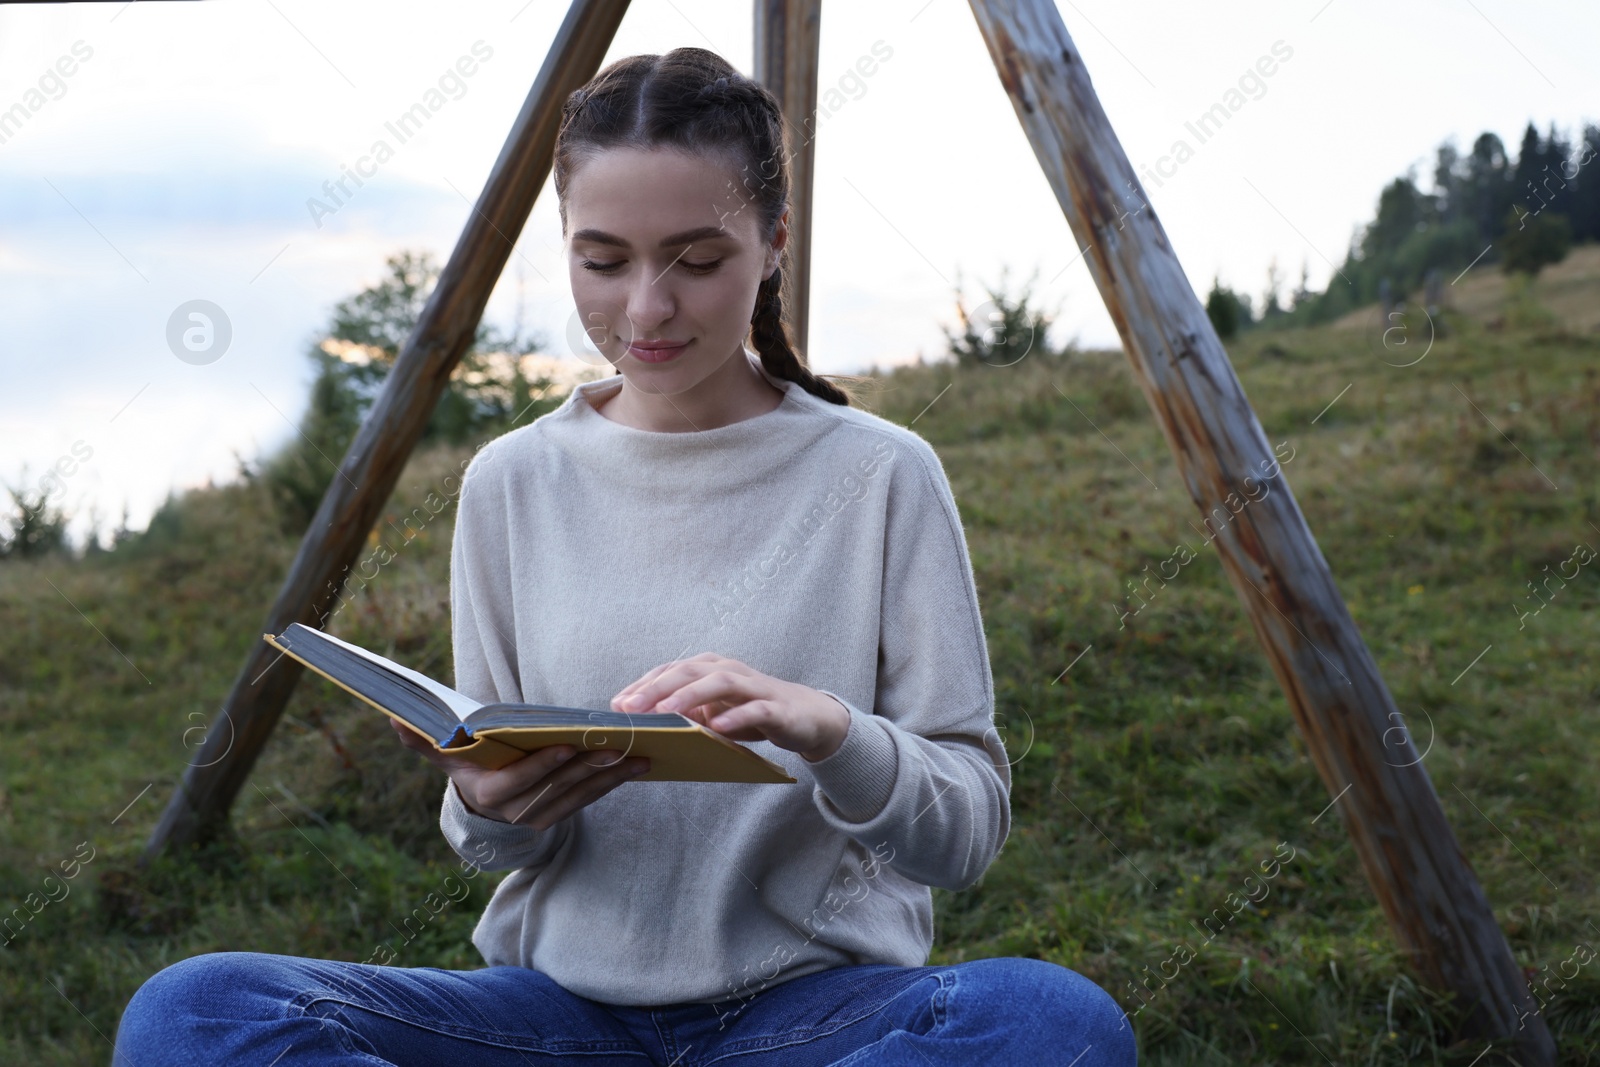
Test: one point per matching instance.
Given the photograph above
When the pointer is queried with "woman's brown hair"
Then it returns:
(694, 100)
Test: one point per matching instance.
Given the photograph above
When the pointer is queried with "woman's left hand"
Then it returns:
(741, 703)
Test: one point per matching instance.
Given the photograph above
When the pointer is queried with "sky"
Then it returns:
(170, 153)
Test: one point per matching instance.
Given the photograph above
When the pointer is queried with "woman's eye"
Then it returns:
(609, 268)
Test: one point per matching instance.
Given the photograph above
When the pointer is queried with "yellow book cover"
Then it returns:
(493, 735)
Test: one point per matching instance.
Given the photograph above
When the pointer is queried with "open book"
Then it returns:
(493, 735)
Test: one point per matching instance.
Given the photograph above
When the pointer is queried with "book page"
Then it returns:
(459, 703)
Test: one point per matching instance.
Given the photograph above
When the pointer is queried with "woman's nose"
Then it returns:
(650, 302)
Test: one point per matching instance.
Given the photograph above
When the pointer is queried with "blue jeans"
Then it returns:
(254, 1009)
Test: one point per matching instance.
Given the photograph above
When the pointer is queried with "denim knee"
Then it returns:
(172, 1002)
(1056, 1004)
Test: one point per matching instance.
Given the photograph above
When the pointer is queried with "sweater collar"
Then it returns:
(745, 450)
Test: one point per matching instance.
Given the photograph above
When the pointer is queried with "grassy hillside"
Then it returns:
(1151, 778)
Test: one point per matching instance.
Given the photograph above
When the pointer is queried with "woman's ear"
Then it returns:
(780, 237)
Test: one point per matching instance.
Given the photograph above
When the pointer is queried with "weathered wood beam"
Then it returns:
(1435, 906)
(788, 34)
(401, 412)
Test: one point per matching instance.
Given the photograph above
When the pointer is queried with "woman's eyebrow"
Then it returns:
(699, 233)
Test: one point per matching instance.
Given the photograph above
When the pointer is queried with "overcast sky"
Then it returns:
(167, 152)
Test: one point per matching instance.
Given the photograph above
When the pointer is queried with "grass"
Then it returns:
(1156, 764)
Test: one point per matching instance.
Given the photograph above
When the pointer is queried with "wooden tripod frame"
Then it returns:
(1433, 901)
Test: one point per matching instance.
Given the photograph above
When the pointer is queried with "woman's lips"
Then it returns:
(656, 351)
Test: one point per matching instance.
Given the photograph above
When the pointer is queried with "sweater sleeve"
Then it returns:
(924, 771)
(484, 638)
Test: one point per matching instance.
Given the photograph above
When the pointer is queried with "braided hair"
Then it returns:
(693, 99)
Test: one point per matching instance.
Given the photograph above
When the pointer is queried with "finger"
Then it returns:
(514, 783)
(674, 676)
(425, 747)
(754, 720)
(633, 687)
(586, 792)
(720, 685)
(539, 801)
(667, 678)
(704, 713)
(602, 759)
(409, 737)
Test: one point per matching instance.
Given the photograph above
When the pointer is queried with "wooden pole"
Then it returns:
(788, 34)
(401, 412)
(1433, 901)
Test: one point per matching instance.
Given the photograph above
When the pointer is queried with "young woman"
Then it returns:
(718, 533)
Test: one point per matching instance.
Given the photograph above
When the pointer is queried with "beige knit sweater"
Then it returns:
(816, 543)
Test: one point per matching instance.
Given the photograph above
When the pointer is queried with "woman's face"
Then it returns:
(665, 256)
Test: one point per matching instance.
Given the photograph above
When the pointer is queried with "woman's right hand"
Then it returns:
(538, 790)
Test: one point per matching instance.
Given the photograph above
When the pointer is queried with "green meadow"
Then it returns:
(1156, 765)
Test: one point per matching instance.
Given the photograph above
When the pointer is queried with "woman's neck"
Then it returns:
(732, 393)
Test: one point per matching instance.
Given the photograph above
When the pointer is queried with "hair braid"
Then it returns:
(771, 339)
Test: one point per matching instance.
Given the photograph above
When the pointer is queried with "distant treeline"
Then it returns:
(1519, 214)
(487, 394)
(1484, 208)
